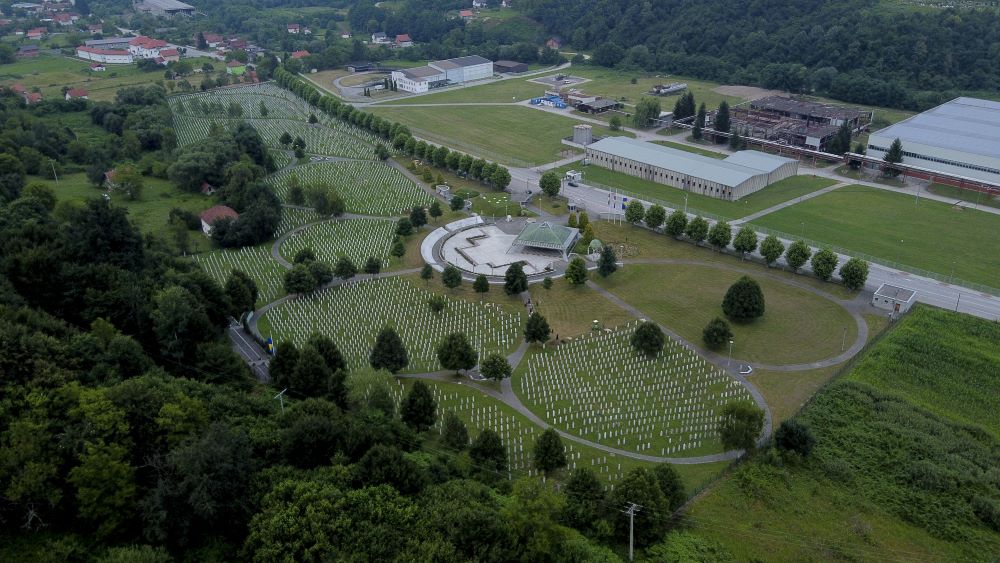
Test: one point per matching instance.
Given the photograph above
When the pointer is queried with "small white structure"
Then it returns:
(213, 214)
(893, 298)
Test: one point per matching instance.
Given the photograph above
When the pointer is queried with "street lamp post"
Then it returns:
(730, 360)
(685, 203)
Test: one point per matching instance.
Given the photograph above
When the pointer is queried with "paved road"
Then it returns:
(255, 357)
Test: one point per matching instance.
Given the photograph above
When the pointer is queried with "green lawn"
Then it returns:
(797, 326)
(695, 150)
(609, 83)
(150, 212)
(505, 134)
(958, 194)
(895, 227)
(789, 188)
(571, 310)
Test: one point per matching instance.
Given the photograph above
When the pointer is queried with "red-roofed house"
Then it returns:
(554, 43)
(237, 43)
(235, 68)
(170, 55)
(213, 40)
(466, 14)
(18, 89)
(97, 67)
(207, 189)
(36, 33)
(404, 40)
(76, 93)
(63, 19)
(213, 214)
(146, 47)
(33, 97)
(300, 54)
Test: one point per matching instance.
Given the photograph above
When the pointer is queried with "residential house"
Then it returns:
(403, 41)
(380, 38)
(213, 214)
(95, 28)
(170, 55)
(300, 54)
(236, 44)
(466, 14)
(480, 4)
(33, 97)
(27, 51)
(236, 68)
(63, 19)
(297, 29)
(97, 67)
(143, 47)
(554, 43)
(36, 33)
(76, 94)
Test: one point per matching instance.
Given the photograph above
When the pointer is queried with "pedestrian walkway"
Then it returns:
(788, 203)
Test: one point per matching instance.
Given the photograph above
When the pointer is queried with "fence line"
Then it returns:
(471, 148)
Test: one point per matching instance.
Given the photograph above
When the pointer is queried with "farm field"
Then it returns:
(785, 190)
(599, 388)
(868, 492)
(511, 135)
(894, 227)
(51, 72)
(797, 326)
(369, 188)
(358, 239)
(353, 314)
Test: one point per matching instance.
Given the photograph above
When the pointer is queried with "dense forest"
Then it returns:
(861, 51)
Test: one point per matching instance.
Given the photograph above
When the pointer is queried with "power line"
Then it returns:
(631, 511)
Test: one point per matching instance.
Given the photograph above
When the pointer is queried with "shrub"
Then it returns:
(716, 333)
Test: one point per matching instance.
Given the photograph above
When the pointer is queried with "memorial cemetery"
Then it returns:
(598, 387)
(358, 239)
(367, 188)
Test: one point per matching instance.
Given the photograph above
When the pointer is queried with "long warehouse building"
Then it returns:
(731, 178)
(960, 138)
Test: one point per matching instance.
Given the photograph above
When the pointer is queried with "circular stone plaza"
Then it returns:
(479, 247)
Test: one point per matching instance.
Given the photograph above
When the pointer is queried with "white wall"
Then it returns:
(938, 152)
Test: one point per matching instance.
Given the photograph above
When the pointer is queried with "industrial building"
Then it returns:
(732, 178)
(958, 138)
(164, 8)
(108, 43)
(509, 67)
(441, 73)
(794, 122)
(104, 56)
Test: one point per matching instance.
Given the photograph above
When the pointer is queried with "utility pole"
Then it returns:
(631, 511)
(281, 399)
(843, 343)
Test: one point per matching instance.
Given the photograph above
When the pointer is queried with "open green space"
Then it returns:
(785, 190)
(797, 327)
(598, 387)
(150, 212)
(50, 73)
(896, 228)
(932, 343)
(510, 135)
(571, 310)
(895, 474)
(695, 150)
(958, 194)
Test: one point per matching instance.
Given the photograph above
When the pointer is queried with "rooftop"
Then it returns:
(420, 72)
(963, 124)
(731, 171)
(546, 235)
(791, 105)
(461, 62)
(213, 214)
(168, 5)
(894, 292)
(107, 41)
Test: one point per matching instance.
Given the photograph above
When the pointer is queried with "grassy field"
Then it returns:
(894, 468)
(926, 234)
(505, 134)
(931, 343)
(150, 212)
(796, 327)
(571, 310)
(958, 194)
(609, 83)
(787, 189)
(51, 73)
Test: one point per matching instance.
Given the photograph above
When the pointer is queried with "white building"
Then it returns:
(893, 298)
(441, 73)
(146, 47)
(960, 137)
(732, 178)
(104, 56)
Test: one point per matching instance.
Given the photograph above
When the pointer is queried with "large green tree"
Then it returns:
(576, 272)
(823, 263)
(537, 329)
(389, 353)
(744, 300)
(549, 454)
(648, 339)
(456, 352)
(514, 279)
(854, 273)
(771, 249)
(418, 409)
(495, 367)
(741, 424)
(550, 183)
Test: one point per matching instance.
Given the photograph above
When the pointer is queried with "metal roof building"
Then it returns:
(439, 73)
(548, 236)
(732, 178)
(960, 137)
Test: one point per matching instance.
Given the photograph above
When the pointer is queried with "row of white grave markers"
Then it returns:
(293, 217)
(358, 239)
(598, 387)
(353, 314)
(255, 261)
(368, 188)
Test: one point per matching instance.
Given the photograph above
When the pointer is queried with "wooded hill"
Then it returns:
(864, 51)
